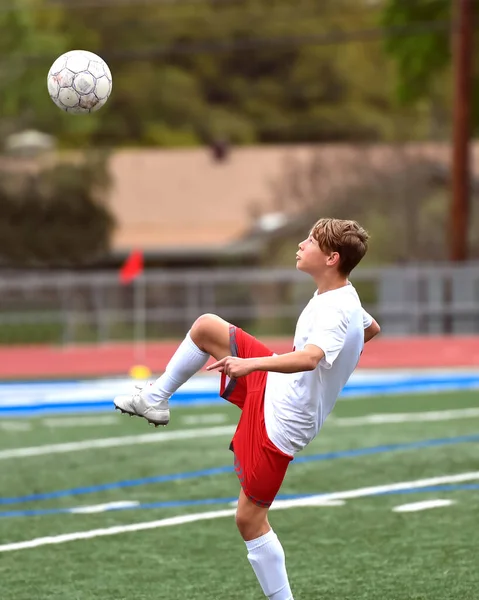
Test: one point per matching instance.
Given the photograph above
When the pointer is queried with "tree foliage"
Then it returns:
(186, 73)
(420, 58)
(54, 216)
(424, 63)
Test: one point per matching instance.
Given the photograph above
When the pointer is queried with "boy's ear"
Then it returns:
(333, 258)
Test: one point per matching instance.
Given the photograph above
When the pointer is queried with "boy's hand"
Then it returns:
(233, 367)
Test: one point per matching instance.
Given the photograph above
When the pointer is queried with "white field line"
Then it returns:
(323, 503)
(379, 489)
(318, 500)
(211, 419)
(64, 422)
(411, 417)
(97, 508)
(15, 426)
(114, 442)
(75, 422)
(375, 419)
(417, 506)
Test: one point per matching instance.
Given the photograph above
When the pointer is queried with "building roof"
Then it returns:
(181, 201)
(168, 198)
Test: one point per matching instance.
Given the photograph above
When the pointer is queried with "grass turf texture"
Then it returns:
(362, 550)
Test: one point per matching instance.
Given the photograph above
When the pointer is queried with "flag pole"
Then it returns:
(132, 272)
(139, 319)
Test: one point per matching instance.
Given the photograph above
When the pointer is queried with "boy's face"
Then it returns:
(311, 259)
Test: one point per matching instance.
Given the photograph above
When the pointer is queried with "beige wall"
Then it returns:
(166, 197)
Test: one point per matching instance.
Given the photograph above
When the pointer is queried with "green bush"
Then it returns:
(55, 216)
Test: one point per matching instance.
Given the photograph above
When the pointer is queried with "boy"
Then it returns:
(284, 399)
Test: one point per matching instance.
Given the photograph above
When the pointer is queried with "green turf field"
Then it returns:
(359, 548)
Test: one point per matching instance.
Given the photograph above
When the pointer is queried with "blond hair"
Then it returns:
(347, 238)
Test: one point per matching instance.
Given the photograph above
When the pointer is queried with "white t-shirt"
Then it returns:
(297, 404)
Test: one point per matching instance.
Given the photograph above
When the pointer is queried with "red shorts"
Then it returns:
(259, 465)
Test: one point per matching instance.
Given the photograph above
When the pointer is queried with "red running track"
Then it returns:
(33, 362)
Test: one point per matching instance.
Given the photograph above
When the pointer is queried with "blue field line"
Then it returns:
(216, 501)
(38, 410)
(165, 504)
(358, 381)
(52, 408)
(229, 469)
(409, 388)
(203, 398)
(77, 396)
(452, 487)
(389, 448)
(103, 487)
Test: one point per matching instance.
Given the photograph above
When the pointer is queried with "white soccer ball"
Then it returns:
(79, 82)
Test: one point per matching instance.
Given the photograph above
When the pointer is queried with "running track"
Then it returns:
(19, 362)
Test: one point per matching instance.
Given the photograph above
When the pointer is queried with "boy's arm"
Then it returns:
(371, 331)
(326, 337)
(291, 362)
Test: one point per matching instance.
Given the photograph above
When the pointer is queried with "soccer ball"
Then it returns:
(79, 82)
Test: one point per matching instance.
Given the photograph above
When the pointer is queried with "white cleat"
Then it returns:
(137, 404)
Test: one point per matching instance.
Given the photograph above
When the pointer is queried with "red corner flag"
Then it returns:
(132, 267)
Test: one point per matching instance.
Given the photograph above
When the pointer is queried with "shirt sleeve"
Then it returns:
(328, 332)
(367, 319)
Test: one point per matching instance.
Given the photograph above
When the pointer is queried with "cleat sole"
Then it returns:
(154, 423)
(157, 423)
(124, 412)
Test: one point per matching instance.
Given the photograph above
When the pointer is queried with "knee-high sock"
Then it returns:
(266, 556)
(185, 362)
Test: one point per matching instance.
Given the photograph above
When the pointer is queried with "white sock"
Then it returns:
(266, 556)
(185, 362)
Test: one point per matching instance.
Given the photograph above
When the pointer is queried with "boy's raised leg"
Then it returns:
(209, 336)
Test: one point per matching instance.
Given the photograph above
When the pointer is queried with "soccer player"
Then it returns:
(284, 399)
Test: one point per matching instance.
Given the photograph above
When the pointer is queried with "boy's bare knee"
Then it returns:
(250, 525)
(202, 327)
(211, 334)
(203, 322)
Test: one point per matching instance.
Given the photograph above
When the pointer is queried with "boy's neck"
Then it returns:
(328, 284)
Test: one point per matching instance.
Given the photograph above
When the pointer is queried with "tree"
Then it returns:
(424, 62)
(186, 73)
(25, 32)
(420, 58)
(55, 216)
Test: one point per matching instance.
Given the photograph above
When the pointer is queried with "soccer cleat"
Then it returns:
(138, 405)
